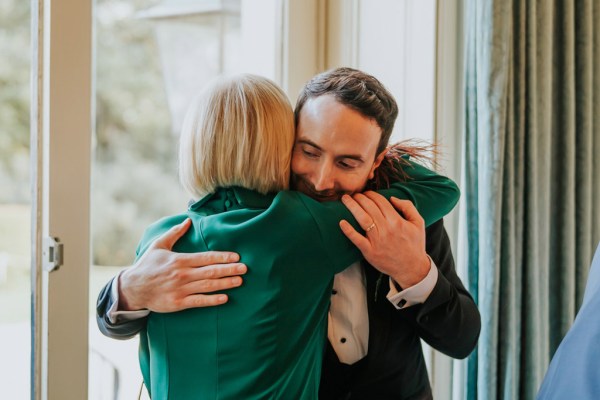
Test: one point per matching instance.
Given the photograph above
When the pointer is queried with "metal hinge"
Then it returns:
(52, 254)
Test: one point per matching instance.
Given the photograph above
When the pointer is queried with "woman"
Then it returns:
(268, 340)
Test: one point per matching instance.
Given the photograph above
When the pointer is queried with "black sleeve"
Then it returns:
(120, 330)
(449, 320)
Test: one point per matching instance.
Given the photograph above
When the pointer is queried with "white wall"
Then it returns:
(394, 40)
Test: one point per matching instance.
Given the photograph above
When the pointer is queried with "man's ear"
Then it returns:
(377, 163)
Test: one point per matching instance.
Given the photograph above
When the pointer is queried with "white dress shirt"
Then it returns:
(348, 329)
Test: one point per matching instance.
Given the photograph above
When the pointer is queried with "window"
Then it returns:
(15, 202)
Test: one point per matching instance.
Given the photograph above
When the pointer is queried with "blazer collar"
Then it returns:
(234, 197)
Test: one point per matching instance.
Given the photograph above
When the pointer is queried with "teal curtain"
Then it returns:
(532, 173)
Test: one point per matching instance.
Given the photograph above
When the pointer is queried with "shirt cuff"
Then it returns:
(416, 294)
(114, 315)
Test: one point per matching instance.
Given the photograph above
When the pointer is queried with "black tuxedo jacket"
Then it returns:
(394, 367)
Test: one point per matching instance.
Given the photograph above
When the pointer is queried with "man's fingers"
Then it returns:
(408, 210)
(217, 271)
(168, 239)
(206, 258)
(212, 278)
(203, 300)
(213, 285)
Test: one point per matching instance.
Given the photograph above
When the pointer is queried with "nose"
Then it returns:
(323, 178)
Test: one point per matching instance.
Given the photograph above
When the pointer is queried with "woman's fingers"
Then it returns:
(356, 238)
(386, 209)
(360, 212)
(369, 206)
(408, 210)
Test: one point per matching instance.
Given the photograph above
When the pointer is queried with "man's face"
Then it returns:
(334, 152)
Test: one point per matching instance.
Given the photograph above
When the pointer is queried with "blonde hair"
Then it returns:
(238, 132)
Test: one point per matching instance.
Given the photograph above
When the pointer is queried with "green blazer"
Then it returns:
(267, 342)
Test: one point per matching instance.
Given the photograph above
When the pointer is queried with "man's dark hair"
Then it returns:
(357, 90)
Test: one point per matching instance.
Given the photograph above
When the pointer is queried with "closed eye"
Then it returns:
(348, 164)
(309, 153)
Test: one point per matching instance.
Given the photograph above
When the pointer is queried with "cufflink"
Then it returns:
(401, 303)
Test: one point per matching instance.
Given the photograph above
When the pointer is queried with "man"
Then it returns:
(405, 289)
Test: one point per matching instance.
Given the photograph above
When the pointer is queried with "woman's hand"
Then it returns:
(394, 238)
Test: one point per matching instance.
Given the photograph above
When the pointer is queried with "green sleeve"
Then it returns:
(434, 196)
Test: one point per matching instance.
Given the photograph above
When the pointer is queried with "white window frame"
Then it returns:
(448, 375)
(61, 121)
(284, 40)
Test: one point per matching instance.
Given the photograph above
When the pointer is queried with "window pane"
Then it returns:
(142, 91)
(15, 280)
(134, 160)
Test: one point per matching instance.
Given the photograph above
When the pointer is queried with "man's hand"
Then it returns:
(393, 243)
(164, 281)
